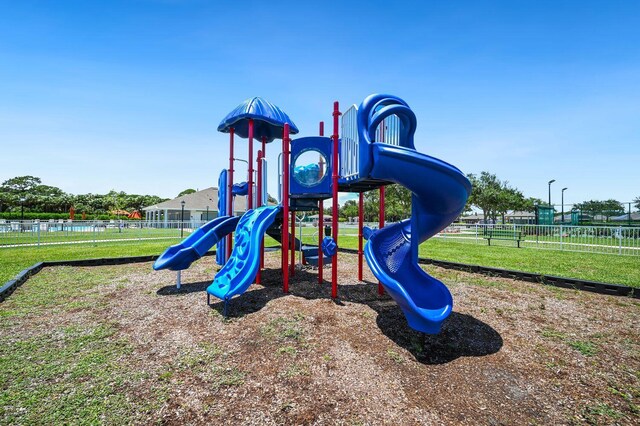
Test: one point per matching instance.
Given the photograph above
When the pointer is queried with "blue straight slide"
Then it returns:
(440, 192)
(241, 268)
(180, 256)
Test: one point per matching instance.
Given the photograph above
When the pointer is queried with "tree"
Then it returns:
(397, 203)
(493, 196)
(349, 209)
(20, 184)
(636, 203)
(606, 208)
(271, 200)
(187, 192)
(371, 205)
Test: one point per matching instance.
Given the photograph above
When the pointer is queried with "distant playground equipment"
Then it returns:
(371, 147)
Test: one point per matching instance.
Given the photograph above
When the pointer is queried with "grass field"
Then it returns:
(86, 234)
(120, 345)
(598, 267)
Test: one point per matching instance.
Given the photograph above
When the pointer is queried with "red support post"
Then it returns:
(334, 210)
(320, 222)
(250, 192)
(258, 204)
(382, 193)
(360, 225)
(264, 153)
(380, 226)
(293, 243)
(285, 209)
(230, 188)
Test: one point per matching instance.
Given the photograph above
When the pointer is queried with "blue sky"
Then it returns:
(127, 95)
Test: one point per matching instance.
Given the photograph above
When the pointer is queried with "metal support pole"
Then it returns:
(178, 279)
(230, 190)
(619, 240)
(360, 228)
(258, 204)
(334, 210)
(380, 226)
(285, 209)
(250, 192)
(293, 243)
(320, 221)
(266, 201)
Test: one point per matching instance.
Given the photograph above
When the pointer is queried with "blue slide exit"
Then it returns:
(242, 266)
(180, 256)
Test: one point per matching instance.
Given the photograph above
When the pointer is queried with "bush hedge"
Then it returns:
(57, 216)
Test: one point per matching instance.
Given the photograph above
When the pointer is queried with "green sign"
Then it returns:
(545, 215)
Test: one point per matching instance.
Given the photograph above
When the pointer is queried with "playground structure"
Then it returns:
(371, 147)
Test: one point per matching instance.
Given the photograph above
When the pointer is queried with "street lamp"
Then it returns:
(550, 182)
(182, 203)
(562, 202)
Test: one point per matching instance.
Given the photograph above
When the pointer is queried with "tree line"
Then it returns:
(30, 194)
(491, 195)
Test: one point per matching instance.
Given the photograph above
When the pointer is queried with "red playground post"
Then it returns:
(263, 155)
(230, 189)
(334, 210)
(380, 226)
(382, 190)
(360, 225)
(320, 219)
(258, 204)
(293, 243)
(285, 208)
(250, 191)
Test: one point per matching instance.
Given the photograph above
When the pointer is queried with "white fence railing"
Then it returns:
(38, 233)
(593, 239)
(388, 131)
(349, 150)
(617, 240)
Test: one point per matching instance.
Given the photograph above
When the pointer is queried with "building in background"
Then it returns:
(198, 206)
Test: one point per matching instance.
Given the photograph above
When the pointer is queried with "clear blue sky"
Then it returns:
(127, 95)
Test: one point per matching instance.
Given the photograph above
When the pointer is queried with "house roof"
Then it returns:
(199, 200)
(519, 214)
(622, 218)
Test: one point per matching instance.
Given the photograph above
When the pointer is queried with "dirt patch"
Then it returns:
(511, 353)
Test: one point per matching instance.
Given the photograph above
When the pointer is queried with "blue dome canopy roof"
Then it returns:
(268, 120)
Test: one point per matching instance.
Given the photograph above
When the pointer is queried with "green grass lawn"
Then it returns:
(13, 260)
(87, 234)
(598, 267)
(607, 268)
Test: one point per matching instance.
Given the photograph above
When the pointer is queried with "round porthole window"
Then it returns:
(309, 167)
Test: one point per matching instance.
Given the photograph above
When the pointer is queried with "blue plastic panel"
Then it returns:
(303, 177)
(268, 120)
(223, 206)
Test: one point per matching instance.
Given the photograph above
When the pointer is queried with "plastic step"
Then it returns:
(313, 260)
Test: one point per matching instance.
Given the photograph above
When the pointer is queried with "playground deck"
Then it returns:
(120, 344)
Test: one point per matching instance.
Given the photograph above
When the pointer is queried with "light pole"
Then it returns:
(182, 203)
(207, 214)
(550, 182)
(562, 202)
(22, 200)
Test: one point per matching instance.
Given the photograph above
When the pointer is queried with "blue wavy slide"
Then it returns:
(240, 270)
(180, 256)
